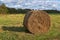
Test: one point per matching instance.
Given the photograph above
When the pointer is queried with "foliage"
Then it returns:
(3, 9)
(52, 11)
(6, 10)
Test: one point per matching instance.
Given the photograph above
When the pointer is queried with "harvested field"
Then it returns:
(37, 22)
(16, 31)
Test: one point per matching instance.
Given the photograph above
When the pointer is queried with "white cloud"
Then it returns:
(33, 4)
(1, 0)
(7, 1)
(27, 3)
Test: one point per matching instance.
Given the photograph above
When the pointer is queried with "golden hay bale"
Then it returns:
(37, 22)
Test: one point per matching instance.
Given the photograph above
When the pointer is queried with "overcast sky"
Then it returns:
(33, 4)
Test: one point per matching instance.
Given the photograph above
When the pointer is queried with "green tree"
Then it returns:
(3, 9)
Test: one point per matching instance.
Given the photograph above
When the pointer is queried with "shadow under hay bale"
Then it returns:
(15, 29)
(37, 22)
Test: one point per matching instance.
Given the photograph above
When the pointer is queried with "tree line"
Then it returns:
(7, 10)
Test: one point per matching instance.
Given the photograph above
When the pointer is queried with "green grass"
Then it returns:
(11, 19)
(12, 28)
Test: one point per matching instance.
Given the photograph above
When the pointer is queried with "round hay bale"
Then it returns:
(37, 22)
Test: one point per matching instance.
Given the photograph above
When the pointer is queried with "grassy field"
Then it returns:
(11, 28)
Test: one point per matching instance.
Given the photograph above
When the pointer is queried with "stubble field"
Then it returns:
(11, 28)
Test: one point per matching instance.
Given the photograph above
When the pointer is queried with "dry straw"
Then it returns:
(37, 22)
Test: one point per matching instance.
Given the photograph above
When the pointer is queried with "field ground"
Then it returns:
(11, 28)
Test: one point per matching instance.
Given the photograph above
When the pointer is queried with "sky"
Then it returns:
(33, 4)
